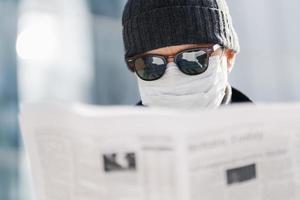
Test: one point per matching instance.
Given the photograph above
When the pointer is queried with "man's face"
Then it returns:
(178, 87)
(173, 50)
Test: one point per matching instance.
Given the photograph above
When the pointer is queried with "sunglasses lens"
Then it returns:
(150, 68)
(193, 62)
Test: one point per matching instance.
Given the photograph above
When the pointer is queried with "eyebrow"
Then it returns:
(178, 51)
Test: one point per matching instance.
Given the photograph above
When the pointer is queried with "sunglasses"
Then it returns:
(192, 61)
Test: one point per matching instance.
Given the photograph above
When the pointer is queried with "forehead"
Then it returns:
(171, 50)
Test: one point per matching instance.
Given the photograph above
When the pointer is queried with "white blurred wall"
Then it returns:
(54, 47)
(268, 67)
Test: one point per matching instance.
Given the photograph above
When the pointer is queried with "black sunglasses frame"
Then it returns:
(208, 50)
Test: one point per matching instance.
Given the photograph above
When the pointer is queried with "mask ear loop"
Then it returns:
(228, 89)
(222, 56)
(223, 53)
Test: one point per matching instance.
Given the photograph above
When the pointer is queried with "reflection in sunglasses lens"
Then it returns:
(193, 62)
(150, 68)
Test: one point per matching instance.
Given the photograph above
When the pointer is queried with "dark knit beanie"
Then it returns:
(153, 24)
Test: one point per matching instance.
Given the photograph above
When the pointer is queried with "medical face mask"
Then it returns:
(178, 90)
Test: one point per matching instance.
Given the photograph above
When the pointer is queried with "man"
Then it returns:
(182, 52)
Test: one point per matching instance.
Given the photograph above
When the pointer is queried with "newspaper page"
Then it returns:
(106, 154)
(249, 158)
(87, 152)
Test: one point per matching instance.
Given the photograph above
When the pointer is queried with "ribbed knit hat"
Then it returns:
(153, 24)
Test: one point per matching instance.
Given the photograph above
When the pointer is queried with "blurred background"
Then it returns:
(72, 51)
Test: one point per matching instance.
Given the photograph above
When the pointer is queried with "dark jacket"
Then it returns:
(237, 97)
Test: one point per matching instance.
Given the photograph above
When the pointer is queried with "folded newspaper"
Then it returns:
(120, 153)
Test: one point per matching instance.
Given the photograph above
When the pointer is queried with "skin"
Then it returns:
(172, 50)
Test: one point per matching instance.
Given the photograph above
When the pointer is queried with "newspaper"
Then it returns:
(84, 152)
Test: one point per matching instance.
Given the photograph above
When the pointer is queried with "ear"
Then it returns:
(231, 55)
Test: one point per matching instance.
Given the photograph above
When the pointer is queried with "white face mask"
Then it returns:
(178, 90)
